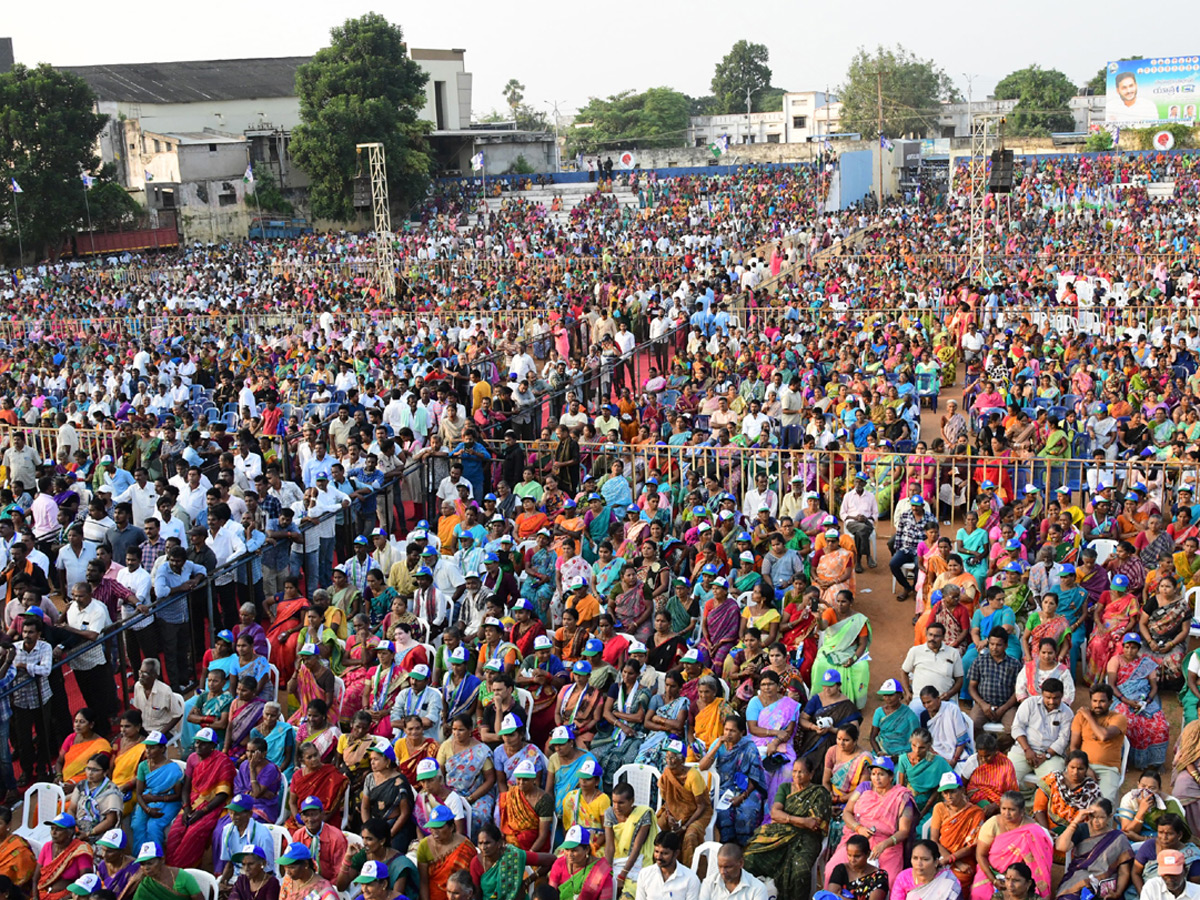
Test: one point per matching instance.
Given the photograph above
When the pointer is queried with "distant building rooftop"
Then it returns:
(193, 81)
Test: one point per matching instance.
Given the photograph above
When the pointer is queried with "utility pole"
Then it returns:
(879, 102)
(749, 93)
(553, 104)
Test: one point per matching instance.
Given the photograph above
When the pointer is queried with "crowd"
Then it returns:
(459, 648)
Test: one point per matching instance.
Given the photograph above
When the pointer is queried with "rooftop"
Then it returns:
(193, 81)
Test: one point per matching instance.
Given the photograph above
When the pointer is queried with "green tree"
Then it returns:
(514, 94)
(913, 90)
(359, 89)
(111, 207)
(530, 119)
(1042, 97)
(655, 118)
(1099, 83)
(266, 196)
(48, 133)
(743, 68)
(1099, 141)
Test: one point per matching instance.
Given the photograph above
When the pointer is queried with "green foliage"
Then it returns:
(514, 94)
(655, 118)
(1042, 97)
(1143, 138)
(361, 88)
(1099, 83)
(744, 67)
(913, 90)
(112, 208)
(1099, 141)
(530, 119)
(266, 196)
(769, 99)
(520, 166)
(48, 135)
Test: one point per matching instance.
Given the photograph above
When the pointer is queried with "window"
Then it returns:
(799, 121)
(226, 199)
(700, 142)
(168, 198)
(157, 148)
(772, 139)
(212, 148)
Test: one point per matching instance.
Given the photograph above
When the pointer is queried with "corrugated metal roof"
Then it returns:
(194, 81)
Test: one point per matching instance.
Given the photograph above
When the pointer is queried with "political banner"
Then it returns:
(1152, 91)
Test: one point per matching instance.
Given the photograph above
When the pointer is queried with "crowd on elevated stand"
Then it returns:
(550, 603)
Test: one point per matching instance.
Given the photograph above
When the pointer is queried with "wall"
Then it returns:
(236, 116)
(457, 113)
(498, 157)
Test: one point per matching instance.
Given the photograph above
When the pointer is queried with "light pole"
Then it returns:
(749, 94)
(553, 104)
(970, 84)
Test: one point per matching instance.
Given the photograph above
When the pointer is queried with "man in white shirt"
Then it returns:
(972, 343)
(1171, 881)
(754, 421)
(447, 490)
(89, 620)
(141, 496)
(932, 663)
(1042, 731)
(668, 878)
(419, 699)
(759, 496)
(860, 510)
(731, 880)
(325, 499)
(522, 363)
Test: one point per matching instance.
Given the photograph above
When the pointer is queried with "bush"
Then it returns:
(520, 166)
(1099, 141)
(1185, 136)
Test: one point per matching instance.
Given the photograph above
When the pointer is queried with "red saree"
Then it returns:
(186, 842)
(326, 782)
(283, 653)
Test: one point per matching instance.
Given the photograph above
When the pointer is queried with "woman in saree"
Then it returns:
(377, 847)
(835, 569)
(951, 613)
(1116, 614)
(844, 768)
(786, 848)
(893, 721)
(1187, 560)
(116, 865)
(954, 826)
(597, 521)
(1007, 838)
(468, 769)
(921, 771)
(933, 558)
(17, 860)
(709, 723)
(771, 719)
(128, 752)
(883, 814)
(540, 563)
(1047, 623)
(629, 832)
(993, 613)
(812, 520)
(579, 704)
(1102, 858)
(157, 794)
(315, 778)
(587, 804)
(280, 737)
(287, 618)
(625, 709)
(155, 880)
(926, 880)
(312, 681)
(686, 806)
(972, 545)
(245, 712)
(442, 853)
(608, 569)
(96, 802)
(920, 473)
(960, 578)
(577, 873)
(248, 663)
(387, 797)
(352, 761)
(386, 681)
(1163, 623)
(1134, 678)
(81, 745)
(525, 810)
(260, 780)
(845, 641)
(358, 662)
(412, 747)
(62, 859)
(667, 715)
(499, 869)
(743, 781)
(721, 621)
(1060, 795)
(207, 785)
(814, 736)
(208, 709)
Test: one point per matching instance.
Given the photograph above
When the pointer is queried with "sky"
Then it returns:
(601, 49)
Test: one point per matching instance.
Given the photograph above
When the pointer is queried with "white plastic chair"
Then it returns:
(707, 853)
(1104, 549)
(1124, 766)
(182, 763)
(274, 673)
(1194, 595)
(642, 778)
(714, 791)
(207, 882)
(173, 739)
(44, 801)
(339, 691)
(284, 787)
(282, 838)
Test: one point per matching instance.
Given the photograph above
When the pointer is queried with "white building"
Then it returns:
(805, 116)
(954, 119)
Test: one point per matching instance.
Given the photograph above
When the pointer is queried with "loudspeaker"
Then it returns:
(1000, 178)
(362, 191)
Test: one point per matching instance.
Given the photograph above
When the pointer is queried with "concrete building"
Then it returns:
(805, 116)
(955, 118)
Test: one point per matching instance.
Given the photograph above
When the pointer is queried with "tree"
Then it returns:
(656, 118)
(1098, 86)
(1042, 97)
(743, 68)
(514, 93)
(359, 89)
(111, 207)
(913, 91)
(266, 196)
(48, 131)
(530, 119)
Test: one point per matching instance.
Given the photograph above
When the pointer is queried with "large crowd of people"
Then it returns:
(545, 575)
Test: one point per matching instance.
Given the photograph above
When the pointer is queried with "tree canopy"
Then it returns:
(743, 68)
(913, 90)
(48, 131)
(657, 117)
(361, 88)
(1042, 97)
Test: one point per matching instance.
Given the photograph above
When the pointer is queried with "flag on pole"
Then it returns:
(14, 187)
(149, 176)
(884, 143)
(477, 162)
(88, 180)
(248, 178)
(719, 146)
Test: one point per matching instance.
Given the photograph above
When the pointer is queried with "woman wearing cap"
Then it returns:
(834, 571)
(468, 769)
(954, 827)
(116, 865)
(208, 709)
(254, 882)
(1102, 860)
(1011, 837)
(388, 796)
(358, 662)
(884, 814)
(80, 746)
(96, 802)
(443, 852)
(577, 874)
(526, 811)
(686, 805)
(155, 880)
(1134, 678)
(62, 859)
(157, 794)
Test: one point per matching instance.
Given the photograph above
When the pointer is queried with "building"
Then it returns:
(955, 118)
(805, 116)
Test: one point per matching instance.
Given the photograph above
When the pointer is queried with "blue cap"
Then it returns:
(699, 511)
(988, 485)
(295, 852)
(883, 762)
(633, 508)
(424, 570)
(361, 541)
(1120, 582)
(744, 536)
(491, 558)
(1067, 569)
(1132, 638)
(523, 603)
(1013, 544)
(831, 676)
(582, 667)
(490, 497)
(936, 596)
(710, 569)
(62, 820)
(225, 635)
(311, 802)
(441, 815)
(593, 646)
(1013, 567)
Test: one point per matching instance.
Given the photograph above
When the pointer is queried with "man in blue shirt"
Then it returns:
(174, 579)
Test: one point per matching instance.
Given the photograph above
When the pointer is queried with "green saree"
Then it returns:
(787, 853)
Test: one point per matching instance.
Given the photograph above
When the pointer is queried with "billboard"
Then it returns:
(1152, 91)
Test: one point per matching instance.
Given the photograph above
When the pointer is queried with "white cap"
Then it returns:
(541, 642)
(420, 670)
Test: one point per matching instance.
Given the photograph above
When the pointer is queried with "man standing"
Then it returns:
(22, 461)
(178, 576)
(1042, 730)
(93, 674)
(860, 511)
(33, 659)
(141, 638)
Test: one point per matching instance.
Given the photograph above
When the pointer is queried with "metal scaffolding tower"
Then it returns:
(984, 130)
(385, 259)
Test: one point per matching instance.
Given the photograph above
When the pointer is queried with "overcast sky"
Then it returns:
(602, 48)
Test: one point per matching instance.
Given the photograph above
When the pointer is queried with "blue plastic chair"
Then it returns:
(231, 420)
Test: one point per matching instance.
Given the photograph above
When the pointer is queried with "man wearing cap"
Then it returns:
(910, 531)
(1042, 731)
(234, 832)
(301, 881)
(207, 786)
(1171, 882)
(419, 699)
(325, 841)
(860, 512)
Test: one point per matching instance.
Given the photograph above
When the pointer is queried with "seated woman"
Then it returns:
(280, 737)
(666, 715)
(157, 794)
(526, 811)
(578, 874)
(249, 663)
(844, 648)
(1007, 838)
(1173, 834)
(376, 847)
(96, 802)
(1060, 795)
(771, 718)
(1102, 858)
(62, 859)
(314, 778)
(245, 712)
(845, 767)
(313, 681)
(1134, 677)
(921, 771)
(208, 709)
(128, 751)
(925, 880)
(80, 746)
(893, 721)
(1143, 807)
(317, 730)
(826, 711)
(856, 877)
(260, 780)
(625, 709)
(787, 847)
(883, 814)
(743, 781)
(686, 806)
(993, 776)
(954, 826)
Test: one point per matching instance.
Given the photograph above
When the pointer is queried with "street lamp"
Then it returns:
(553, 104)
